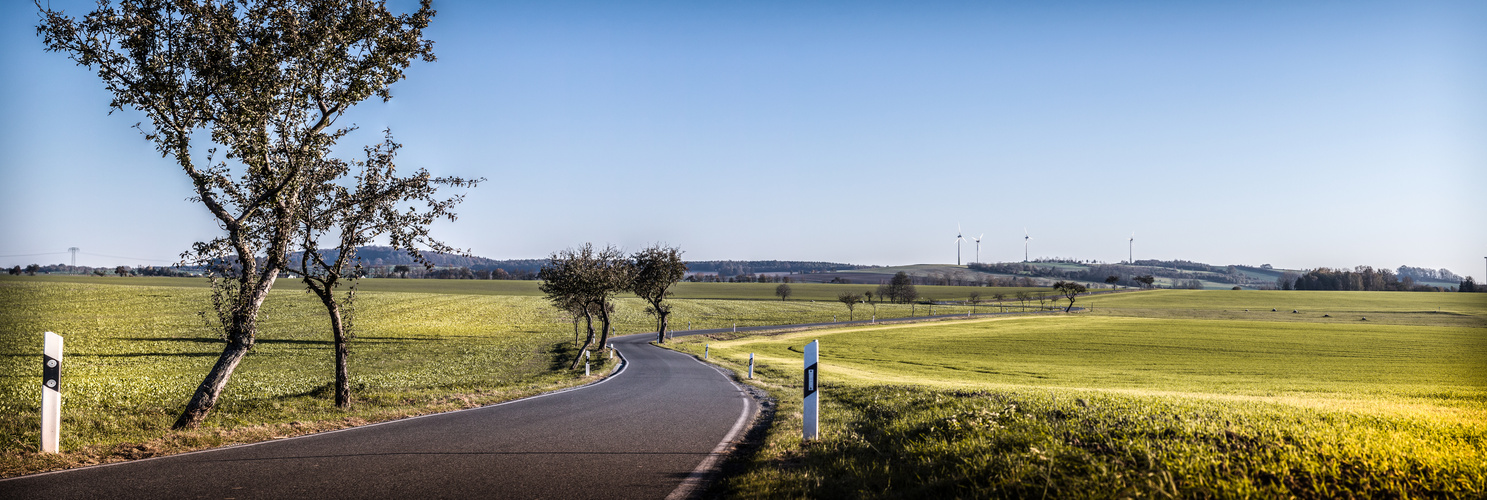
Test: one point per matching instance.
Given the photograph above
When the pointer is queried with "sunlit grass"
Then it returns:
(1124, 406)
(134, 355)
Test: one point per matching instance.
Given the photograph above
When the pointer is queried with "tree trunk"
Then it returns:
(206, 394)
(661, 332)
(604, 325)
(343, 351)
(1071, 305)
(589, 319)
(241, 335)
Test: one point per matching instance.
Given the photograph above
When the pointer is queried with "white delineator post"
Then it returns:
(51, 392)
(751, 366)
(812, 405)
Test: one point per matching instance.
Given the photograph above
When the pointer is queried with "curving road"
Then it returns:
(648, 431)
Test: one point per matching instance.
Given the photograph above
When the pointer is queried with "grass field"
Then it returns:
(134, 354)
(136, 348)
(1155, 394)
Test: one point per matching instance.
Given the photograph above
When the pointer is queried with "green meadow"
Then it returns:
(1160, 394)
(137, 347)
(134, 354)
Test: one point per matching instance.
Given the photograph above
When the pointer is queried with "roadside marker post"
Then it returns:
(751, 366)
(51, 392)
(706, 349)
(812, 395)
(585, 369)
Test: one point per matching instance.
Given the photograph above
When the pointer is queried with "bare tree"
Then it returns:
(655, 270)
(1070, 289)
(373, 207)
(974, 299)
(1023, 296)
(267, 82)
(783, 291)
(851, 300)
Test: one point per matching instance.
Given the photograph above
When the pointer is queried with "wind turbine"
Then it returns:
(978, 246)
(958, 239)
(1025, 239)
(1132, 249)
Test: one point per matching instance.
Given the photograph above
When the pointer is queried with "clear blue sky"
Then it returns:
(1300, 134)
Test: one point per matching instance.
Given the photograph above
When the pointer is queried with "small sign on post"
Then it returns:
(51, 392)
(812, 395)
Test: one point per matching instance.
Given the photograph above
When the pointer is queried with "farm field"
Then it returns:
(134, 354)
(136, 347)
(1181, 403)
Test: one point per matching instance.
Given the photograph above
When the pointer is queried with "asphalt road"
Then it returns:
(642, 433)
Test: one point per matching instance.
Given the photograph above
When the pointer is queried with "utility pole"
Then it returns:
(74, 257)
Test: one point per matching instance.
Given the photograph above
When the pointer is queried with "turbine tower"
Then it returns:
(1131, 248)
(978, 246)
(1025, 239)
(958, 239)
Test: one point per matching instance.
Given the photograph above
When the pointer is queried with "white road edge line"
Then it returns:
(694, 480)
(614, 373)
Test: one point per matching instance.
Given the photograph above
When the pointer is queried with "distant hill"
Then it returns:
(388, 256)
(1168, 273)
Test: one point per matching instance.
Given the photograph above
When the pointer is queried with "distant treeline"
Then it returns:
(732, 268)
(1364, 278)
(35, 269)
(1183, 274)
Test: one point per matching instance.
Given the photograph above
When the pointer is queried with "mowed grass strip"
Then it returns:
(1404, 308)
(1171, 355)
(134, 354)
(1124, 407)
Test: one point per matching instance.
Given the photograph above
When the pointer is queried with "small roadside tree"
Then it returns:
(999, 297)
(783, 291)
(1111, 280)
(588, 277)
(358, 215)
(851, 300)
(1146, 281)
(974, 299)
(655, 269)
(1069, 289)
(1023, 296)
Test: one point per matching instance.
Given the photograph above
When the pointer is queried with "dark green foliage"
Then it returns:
(655, 270)
(900, 289)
